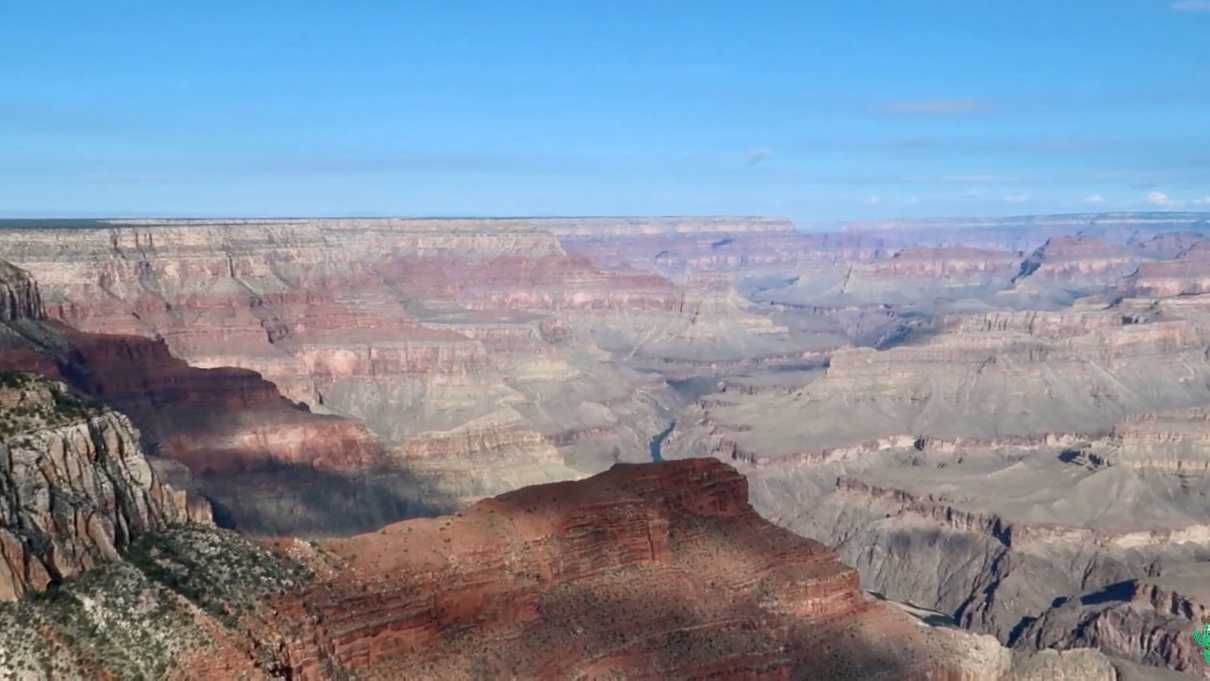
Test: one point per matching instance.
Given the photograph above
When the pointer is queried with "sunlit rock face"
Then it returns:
(1188, 273)
(19, 297)
(75, 487)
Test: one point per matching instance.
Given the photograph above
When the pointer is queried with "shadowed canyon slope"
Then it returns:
(223, 432)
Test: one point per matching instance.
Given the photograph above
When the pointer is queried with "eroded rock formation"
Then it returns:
(649, 571)
(75, 488)
(645, 571)
(437, 335)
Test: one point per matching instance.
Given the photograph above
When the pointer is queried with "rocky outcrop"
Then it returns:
(1186, 274)
(19, 297)
(1145, 621)
(236, 439)
(1084, 260)
(170, 610)
(648, 571)
(911, 276)
(1175, 441)
(75, 487)
(220, 423)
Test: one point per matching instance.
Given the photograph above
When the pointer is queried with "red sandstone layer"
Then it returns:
(645, 571)
(212, 420)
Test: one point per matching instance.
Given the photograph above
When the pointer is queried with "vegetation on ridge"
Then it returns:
(134, 619)
(31, 402)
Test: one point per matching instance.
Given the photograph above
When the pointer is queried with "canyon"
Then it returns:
(435, 432)
(644, 571)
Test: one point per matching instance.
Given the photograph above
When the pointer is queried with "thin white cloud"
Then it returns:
(1018, 198)
(933, 106)
(1158, 199)
(759, 155)
(978, 179)
(1191, 6)
(873, 200)
(1204, 201)
(1094, 198)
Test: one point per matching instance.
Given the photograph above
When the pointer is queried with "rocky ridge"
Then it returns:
(75, 487)
(645, 571)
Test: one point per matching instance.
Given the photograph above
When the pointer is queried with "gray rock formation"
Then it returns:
(19, 297)
(75, 488)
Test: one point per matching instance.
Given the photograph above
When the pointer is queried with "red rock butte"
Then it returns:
(646, 571)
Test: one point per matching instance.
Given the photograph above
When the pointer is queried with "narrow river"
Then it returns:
(658, 441)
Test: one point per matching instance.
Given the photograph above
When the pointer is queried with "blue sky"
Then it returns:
(812, 110)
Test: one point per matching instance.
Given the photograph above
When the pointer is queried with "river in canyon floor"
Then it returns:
(658, 441)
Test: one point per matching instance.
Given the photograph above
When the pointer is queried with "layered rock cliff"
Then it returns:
(75, 487)
(19, 297)
(903, 277)
(1087, 261)
(222, 424)
(1186, 274)
(1148, 620)
(397, 323)
(965, 429)
(481, 354)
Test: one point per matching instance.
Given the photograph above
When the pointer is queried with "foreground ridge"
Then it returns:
(646, 571)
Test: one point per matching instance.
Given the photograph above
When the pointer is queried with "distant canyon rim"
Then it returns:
(1003, 424)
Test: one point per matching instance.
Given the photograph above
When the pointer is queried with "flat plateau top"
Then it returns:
(560, 225)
